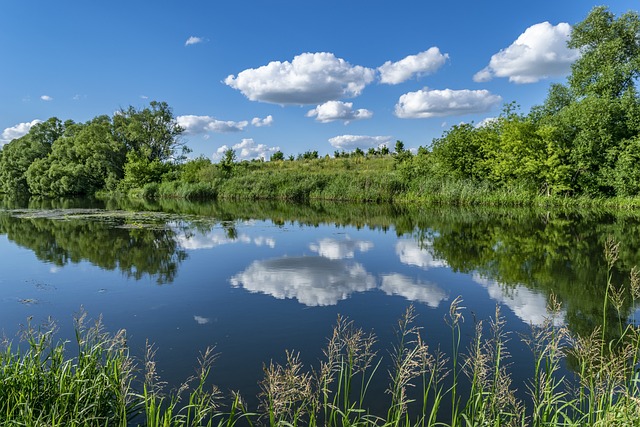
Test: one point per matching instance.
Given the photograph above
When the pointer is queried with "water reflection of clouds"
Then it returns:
(425, 292)
(340, 249)
(219, 237)
(313, 281)
(528, 305)
(201, 320)
(410, 253)
(320, 281)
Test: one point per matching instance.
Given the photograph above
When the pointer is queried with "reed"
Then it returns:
(95, 382)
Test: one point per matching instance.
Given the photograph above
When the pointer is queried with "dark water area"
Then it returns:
(257, 279)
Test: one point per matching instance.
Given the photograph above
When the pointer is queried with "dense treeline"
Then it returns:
(58, 158)
(584, 140)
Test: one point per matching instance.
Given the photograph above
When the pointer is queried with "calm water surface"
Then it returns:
(256, 279)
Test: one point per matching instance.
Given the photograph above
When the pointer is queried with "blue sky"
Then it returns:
(290, 75)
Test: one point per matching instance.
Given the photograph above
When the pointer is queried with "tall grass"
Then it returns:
(97, 383)
(42, 385)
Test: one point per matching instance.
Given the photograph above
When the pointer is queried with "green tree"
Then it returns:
(604, 116)
(20, 153)
(461, 151)
(609, 65)
(152, 132)
(86, 159)
(399, 147)
(139, 170)
(228, 161)
(278, 155)
(151, 137)
(196, 170)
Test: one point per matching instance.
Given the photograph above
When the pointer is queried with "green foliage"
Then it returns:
(196, 170)
(228, 161)
(152, 132)
(44, 386)
(609, 65)
(20, 153)
(277, 156)
(81, 162)
(131, 149)
(308, 155)
(460, 152)
(627, 169)
(581, 140)
(139, 170)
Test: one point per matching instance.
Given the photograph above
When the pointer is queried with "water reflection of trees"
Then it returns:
(116, 244)
(560, 253)
(547, 252)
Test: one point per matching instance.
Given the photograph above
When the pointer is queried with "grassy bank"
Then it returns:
(409, 180)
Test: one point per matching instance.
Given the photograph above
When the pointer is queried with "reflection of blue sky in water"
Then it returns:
(424, 292)
(194, 241)
(410, 253)
(528, 305)
(340, 249)
(313, 281)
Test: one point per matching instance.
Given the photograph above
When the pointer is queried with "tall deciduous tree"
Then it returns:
(18, 154)
(86, 159)
(603, 116)
(152, 140)
(152, 132)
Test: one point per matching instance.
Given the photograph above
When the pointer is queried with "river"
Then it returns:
(257, 279)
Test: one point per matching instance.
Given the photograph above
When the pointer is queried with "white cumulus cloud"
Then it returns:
(17, 131)
(310, 78)
(338, 110)
(193, 40)
(46, 98)
(312, 281)
(351, 142)
(424, 292)
(340, 249)
(424, 63)
(247, 149)
(427, 103)
(258, 122)
(540, 52)
(194, 125)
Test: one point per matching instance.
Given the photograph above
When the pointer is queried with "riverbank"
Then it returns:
(43, 384)
(365, 179)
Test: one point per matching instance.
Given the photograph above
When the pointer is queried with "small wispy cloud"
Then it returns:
(46, 98)
(351, 142)
(193, 40)
(247, 150)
